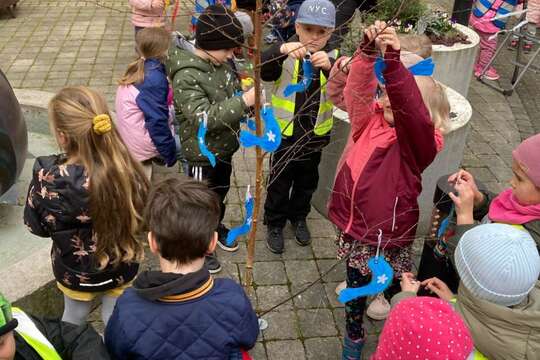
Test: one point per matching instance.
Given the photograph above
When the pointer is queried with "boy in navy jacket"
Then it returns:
(181, 312)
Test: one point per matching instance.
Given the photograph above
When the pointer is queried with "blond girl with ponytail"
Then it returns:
(89, 200)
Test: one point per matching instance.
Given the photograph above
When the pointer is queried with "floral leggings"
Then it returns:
(354, 309)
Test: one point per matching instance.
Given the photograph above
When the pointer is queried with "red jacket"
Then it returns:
(379, 179)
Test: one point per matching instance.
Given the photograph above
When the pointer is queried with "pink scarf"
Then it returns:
(506, 209)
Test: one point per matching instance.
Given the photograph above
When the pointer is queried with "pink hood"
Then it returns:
(148, 13)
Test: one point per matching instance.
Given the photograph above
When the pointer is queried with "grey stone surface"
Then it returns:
(269, 273)
(323, 348)
(281, 325)
(316, 322)
(292, 349)
(301, 271)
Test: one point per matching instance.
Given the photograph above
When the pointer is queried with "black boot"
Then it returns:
(274, 239)
(301, 232)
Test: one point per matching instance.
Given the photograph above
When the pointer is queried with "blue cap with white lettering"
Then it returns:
(317, 12)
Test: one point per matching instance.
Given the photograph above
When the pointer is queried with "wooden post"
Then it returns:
(259, 164)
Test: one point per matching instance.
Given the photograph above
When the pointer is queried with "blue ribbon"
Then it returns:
(201, 134)
(303, 85)
(381, 278)
(270, 140)
(246, 226)
(425, 67)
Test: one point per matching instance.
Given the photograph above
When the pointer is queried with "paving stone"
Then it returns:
(258, 352)
(269, 273)
(281, 325)
(338, 273)
(339, 319)
(324, 248)
(316, 322)
(269, 296)
(323, 348)
(301, 271)
(312, 298)
(278, 350)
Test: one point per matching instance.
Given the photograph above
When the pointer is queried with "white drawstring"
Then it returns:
(394, 215)
(379, 241)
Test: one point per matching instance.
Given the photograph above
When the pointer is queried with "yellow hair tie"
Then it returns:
(102, 124)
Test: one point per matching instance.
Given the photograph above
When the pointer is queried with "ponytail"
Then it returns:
(134, 73)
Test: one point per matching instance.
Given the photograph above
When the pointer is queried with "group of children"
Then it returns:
(96, 201)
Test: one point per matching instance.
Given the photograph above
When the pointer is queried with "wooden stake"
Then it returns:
(258, 169)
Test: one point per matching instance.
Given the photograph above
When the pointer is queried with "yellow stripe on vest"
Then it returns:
(33, 337)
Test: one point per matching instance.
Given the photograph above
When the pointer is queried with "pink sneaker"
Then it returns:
(490, 74)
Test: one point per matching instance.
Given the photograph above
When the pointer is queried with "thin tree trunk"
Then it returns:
(258, 170)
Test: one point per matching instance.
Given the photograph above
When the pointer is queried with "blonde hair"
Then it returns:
(151, 43)
(436, 101)
(117, 184)
(417, 44)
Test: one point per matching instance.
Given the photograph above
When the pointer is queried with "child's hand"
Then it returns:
(293, 49)
(321, 60)
(249, 97)
(383, 35)
(464, 203)
(438, 287)
(464, 176)
(409, 283)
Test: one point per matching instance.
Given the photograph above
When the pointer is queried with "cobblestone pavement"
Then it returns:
(53, 43)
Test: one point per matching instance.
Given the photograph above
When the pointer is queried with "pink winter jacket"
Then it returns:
(131, 125)
(147, 13)
(379, 179)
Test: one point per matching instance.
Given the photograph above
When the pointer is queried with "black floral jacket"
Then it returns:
(57, 207)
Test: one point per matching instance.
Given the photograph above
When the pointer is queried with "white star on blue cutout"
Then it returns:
(271, 136)
(382, 279)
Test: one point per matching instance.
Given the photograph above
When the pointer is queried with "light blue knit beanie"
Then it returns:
(498, 263)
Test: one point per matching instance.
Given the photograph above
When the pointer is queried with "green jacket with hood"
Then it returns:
(200, 86)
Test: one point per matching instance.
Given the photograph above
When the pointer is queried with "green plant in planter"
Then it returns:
(414, 17)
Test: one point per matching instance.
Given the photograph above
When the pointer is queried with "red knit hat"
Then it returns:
(424, 328)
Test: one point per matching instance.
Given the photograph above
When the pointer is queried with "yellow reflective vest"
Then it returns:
(284, 107)
(33, 337)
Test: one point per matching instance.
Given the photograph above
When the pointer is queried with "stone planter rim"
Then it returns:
(472, 36)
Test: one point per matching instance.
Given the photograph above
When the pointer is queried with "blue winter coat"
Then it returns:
(210, 326)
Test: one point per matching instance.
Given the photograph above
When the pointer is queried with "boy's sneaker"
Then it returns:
(274, 240)
(212, 263)
(379, 308)
(301, 232)
(222, 239)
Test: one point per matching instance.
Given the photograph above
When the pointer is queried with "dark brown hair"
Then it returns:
(151, 43)
(183, 215)
(117, 184)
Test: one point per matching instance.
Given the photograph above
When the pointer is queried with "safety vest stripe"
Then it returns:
(33, 337)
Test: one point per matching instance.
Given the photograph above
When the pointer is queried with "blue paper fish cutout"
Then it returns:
(201, 134)
(381, 278)
(271, 139)
(243, 229)
(425, 67)
(304, 84)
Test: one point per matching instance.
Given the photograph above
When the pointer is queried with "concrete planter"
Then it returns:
(446, 161)
(454, 64)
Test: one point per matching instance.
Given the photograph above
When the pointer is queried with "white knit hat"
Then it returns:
(498, 263)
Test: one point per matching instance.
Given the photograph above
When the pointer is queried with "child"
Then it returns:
(89, 201)
(305, 119)
(181, 311)
(481, 20)
(203, 82)
(533, 21)
(148, 13)
(142, 112)
(282, 18)
(517, 205)
(25, 337)
(499, 294)
(392, 141)
(424, 328)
